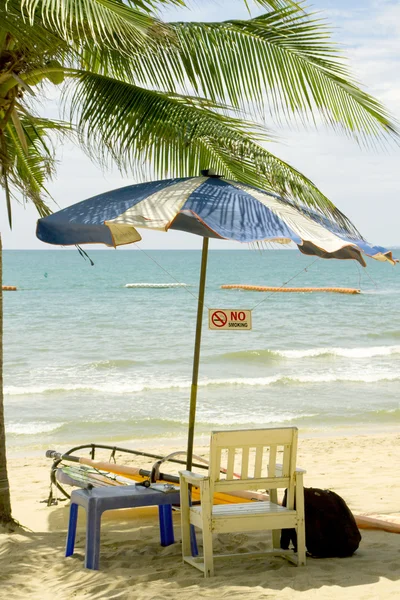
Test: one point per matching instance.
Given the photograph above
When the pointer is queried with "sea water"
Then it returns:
(88, 360)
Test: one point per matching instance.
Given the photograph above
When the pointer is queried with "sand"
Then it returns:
(362, 469)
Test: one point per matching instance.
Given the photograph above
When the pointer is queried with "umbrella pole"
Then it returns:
(196, 357)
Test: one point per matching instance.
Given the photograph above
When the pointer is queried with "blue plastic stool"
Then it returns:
(98, 500)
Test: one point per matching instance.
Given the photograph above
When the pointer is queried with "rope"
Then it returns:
(373, 280)
(196, 297)
(84, 254)
(286, 282)
(168, 273)
(359, 275)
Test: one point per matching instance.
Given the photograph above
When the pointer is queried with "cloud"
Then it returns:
(370, 36)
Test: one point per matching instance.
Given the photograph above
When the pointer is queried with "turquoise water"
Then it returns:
(87, 359)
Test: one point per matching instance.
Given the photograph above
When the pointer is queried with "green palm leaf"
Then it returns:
(26, 170)
(102, 22)
(283, 62)
(36, 42)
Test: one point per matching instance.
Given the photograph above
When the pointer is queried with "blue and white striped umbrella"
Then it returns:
(211, 207)
(208, 206)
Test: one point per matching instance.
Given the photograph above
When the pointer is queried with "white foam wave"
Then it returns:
(109, 388)
(144, 386)
(316, 378)
(355, 378)
(32, 428)
(363, 352)
(132, 388)
(239, 419)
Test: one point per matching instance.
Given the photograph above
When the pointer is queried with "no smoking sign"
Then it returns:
(229, 318)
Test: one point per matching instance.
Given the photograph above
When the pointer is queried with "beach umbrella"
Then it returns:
(211, 207)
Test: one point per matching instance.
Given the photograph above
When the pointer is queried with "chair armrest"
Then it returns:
(194, 478)
(279, 469)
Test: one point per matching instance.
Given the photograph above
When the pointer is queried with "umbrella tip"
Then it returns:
(210, 173)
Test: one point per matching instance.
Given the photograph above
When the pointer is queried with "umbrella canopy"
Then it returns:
(211, 207)
(207, 206)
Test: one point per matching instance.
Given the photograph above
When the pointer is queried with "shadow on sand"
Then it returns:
(134, 565)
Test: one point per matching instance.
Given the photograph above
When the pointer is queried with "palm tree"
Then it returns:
(168, 99)
(5, 503)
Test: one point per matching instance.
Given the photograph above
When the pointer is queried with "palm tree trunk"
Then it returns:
(5, 502)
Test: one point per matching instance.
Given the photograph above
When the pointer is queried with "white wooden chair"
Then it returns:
(240, 446)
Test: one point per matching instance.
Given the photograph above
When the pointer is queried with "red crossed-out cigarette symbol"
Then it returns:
(219, 318)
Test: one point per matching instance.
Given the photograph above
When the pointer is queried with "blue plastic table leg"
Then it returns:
(73, 517)
(193, 541)
(92, 554)
(166, 525)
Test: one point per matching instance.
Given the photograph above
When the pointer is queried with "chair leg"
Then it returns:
(208, 552)
(301, 544)
(73, 518)
(301, 526)
(276, 533)
(206, 526)
(276, 538)
(92, 555)
(185, 527)
(166, 525)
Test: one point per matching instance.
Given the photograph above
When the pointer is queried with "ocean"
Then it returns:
(88, 360)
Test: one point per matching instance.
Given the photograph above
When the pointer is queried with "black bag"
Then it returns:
(331, 529)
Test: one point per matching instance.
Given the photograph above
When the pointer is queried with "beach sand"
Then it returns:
(362, 469)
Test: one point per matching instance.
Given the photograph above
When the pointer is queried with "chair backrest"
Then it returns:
(263, 459)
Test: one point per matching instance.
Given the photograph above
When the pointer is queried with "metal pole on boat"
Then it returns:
(196, 357)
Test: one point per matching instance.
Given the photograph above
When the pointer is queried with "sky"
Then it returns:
(363, 183)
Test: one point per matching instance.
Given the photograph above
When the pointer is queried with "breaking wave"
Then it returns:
(117, 388)
(32, 428)
(266, 355)
(114, 364)
(153, 427)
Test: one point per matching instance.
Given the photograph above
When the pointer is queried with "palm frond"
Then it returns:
(124, 113)
(154, 134)
(153, 5)
(33, 42)
(275, 4)
(101, 22)
(25, 171)
(4, 179)
(284, 61)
